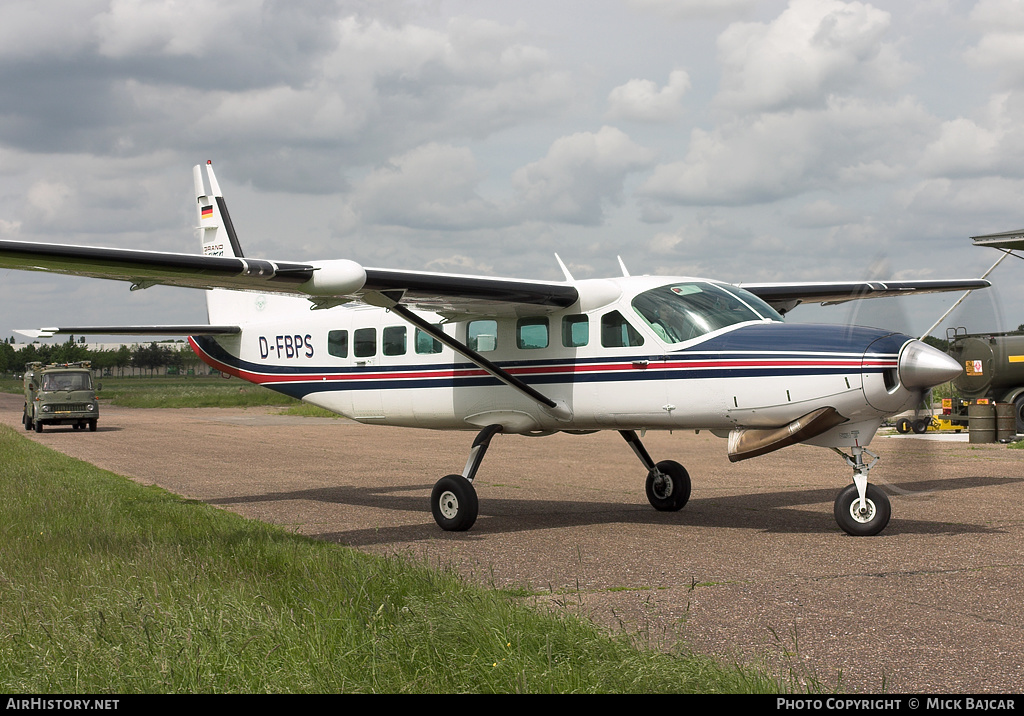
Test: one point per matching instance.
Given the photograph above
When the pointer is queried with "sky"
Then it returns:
(740, 140)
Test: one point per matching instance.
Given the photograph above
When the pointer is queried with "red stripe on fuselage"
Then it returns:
(397, 374)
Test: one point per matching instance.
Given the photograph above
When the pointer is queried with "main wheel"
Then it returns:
(903, 426)
(858, 522)
(668, 486)
(921, 426)
(454, 503)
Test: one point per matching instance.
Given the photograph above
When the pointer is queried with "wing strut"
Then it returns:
(966, 294)
(558, 409)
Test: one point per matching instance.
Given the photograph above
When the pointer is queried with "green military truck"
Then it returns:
(60, 394)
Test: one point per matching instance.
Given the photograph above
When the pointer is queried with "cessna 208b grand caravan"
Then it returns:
(456, 352)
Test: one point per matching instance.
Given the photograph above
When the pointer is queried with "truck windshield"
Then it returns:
(67, 381)
(684, 311)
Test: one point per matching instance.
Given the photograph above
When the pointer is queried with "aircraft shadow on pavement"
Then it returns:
(772, 512)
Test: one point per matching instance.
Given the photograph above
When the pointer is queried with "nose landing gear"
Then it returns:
(861, 509)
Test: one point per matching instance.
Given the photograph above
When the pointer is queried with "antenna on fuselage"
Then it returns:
(565, 271)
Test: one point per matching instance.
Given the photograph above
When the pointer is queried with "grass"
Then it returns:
(179, 392)
(107, 586)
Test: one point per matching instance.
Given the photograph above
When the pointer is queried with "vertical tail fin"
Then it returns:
(217, 234)
(215, 227)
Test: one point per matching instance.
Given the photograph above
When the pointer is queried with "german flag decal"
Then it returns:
(206, 212)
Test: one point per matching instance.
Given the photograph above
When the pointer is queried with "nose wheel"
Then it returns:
(862, 517)
(861, 509)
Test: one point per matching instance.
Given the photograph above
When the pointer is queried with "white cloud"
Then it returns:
(991, 142)
(644, 101)
(432, 187)
(814, 49)
(696, 9)
(580, 176)
(49, 198)
(170, 27)
(771, 156)
(1001, 46)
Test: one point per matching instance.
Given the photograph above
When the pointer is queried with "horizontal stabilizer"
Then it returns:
(166, 330)
(751, 442)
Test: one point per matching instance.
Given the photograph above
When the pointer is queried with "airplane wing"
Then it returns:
(163, 330)
(1005, 241)
(325, 283)
(786, 296)
(328, 283)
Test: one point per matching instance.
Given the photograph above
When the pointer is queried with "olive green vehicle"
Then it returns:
(60, 394)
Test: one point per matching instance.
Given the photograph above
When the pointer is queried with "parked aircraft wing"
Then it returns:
(459, 294)
(162, 330)
(1005, 241)
(148, 268)
(786, 296)
(324, 282)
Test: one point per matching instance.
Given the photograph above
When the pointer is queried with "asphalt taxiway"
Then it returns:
(753, 569)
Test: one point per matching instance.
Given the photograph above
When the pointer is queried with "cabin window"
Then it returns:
(337, 343)
(575, 331)
(426, 344)
(482, 335)
(532, 333)
(364, 342)
(394, 341)
(617, 333)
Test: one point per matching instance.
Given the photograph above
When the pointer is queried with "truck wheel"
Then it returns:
(1018, 410)
(92, 425)
(26, 420)
(39, 426)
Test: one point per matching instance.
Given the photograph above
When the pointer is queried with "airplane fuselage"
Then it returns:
(600, 359)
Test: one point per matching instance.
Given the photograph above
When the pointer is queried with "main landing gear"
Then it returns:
(454, 503)
(861, 509)
(453, 500)
(668, 482)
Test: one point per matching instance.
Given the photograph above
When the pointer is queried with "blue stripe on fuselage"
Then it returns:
(767, 343)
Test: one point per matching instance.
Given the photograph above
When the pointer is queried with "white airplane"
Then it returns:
(456, 352)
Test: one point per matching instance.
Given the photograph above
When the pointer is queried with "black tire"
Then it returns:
(903, 426)
(27, 420)
(1018, 405)
(668, 486)
(92, 425)
(38, 424)
(852, 521)
(454, 503)
(921, 426)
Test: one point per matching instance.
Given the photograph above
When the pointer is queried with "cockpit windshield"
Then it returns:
(683, 311)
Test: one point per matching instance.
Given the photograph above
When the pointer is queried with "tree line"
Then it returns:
(151, 359)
